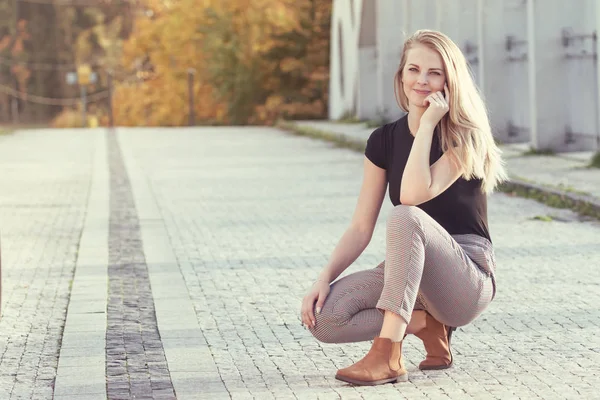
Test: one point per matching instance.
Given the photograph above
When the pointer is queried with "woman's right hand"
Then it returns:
(317, 293)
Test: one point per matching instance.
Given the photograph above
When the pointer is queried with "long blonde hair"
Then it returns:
(465, 130)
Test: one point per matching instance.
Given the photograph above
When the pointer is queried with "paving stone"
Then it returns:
(246, 217)
(46, 179)
(253, 215)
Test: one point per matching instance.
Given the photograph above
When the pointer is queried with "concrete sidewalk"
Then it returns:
(171, 263)
(566, 174)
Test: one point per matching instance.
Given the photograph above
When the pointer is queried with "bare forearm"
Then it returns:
(350, 246)
(417, 173)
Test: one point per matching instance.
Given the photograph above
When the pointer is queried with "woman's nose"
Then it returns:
(422, 79)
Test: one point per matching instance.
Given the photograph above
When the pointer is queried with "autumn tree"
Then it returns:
(238, 36)
(12, 36)
(298, 83)
(164, 45)
(40, 41)
(253, 60)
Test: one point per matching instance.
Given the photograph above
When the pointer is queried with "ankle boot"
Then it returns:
(382, 364)
(436, 338)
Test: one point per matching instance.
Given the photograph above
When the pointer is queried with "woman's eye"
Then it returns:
(435, 73)
(412, 69)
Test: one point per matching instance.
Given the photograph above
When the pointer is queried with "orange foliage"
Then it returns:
(237, 49)
(19, 71)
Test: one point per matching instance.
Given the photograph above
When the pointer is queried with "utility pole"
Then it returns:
(111, 117)
(191, 72)
(15, 101)
(82, 77)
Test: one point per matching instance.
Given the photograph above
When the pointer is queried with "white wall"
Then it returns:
(345, 30)
(368, 59)
(391, 34)
(538, 90)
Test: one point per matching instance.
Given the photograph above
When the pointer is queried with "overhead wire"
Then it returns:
(44, 65)
(52, 101)
(80, 3)
(63, 67)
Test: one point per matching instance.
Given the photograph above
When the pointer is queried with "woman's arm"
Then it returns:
(359, 233)
(420, 182)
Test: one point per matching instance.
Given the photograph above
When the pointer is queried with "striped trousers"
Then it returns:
(426, 268)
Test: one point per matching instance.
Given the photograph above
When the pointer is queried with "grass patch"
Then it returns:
(376, 123)
(7, 129)
(570, 189)
(373, 123)
(348, 118)
(544, 218)
(560, 186)
(520, 178)
(552, 199)
(595, 161)
(539, 152)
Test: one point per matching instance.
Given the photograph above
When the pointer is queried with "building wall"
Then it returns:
(368, 87)
(533, 60)
(391, 31)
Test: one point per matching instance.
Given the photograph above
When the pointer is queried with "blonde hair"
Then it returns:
(466, 134)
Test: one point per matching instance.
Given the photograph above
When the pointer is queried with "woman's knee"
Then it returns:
(403, 214)
(327, 327)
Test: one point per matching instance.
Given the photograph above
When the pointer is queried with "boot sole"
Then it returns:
(435, 367)
(401, 378)
(439, 367)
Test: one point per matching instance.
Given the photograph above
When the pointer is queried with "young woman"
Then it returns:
(440, 162)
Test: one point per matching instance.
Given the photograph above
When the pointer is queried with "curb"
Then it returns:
(338, 139)
(584, 205)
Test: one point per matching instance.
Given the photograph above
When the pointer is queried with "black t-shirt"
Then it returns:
(460, 209)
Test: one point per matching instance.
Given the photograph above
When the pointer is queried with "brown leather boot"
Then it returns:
(436, 338)
(382, 364)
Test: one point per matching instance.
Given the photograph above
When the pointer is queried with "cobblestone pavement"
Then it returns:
(252, 215)
(45, 183)
(235, 223)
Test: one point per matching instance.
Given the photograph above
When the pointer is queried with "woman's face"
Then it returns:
(422, 75)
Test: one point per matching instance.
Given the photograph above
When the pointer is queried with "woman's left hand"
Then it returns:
(438, 107)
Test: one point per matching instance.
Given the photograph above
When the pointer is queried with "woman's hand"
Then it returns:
(438, 107)
(317, 293)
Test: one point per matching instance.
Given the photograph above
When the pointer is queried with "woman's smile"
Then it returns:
(422, 92)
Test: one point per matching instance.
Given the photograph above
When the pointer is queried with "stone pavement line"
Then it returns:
(136, 365)
(81, 366)
(190, 362)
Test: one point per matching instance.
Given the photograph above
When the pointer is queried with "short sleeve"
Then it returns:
(376, 149)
